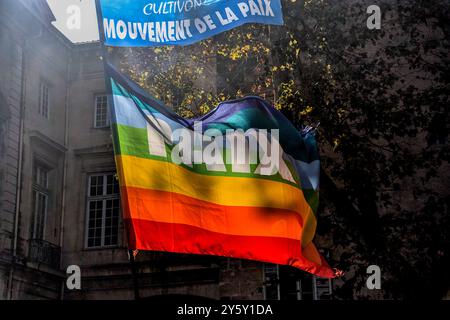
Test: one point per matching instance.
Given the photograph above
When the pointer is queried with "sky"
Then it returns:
(69, 12)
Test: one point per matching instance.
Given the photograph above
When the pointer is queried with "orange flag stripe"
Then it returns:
(160, 206)
(228, 191)
(160, 236)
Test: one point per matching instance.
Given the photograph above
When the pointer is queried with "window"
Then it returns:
(101, 112)
(286, 283)
(271, 282)
(40, 201)
(103, 209)
(43, 100)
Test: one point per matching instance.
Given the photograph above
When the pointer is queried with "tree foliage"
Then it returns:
(381, 98)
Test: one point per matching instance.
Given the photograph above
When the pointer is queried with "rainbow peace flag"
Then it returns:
(227, 209)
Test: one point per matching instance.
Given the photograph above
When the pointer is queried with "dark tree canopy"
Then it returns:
(381, 98)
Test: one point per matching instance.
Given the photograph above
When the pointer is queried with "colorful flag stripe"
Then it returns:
(169, 207)
(246, 113)
(134, 142)
(190, 209)
(160, 236)
(228, 191)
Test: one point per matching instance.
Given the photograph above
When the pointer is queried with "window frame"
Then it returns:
(103, 198)
(96, 107)
(38, 190)
(44, 109)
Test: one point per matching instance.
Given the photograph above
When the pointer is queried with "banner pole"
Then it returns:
(104, 51)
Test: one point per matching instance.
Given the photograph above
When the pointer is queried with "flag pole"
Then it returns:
(134, 273)
(131, 253)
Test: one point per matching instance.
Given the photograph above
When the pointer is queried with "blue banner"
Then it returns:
(143, 23)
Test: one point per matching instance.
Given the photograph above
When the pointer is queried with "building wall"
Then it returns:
(69, 146)
(11, 42)
(32, 52)
(90, 152)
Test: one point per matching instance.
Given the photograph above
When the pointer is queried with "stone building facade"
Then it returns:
(59, 202)
(34, 82)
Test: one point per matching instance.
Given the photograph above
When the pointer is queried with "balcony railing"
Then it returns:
(45, 252)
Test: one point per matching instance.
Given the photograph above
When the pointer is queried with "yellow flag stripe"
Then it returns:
(229, 191)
